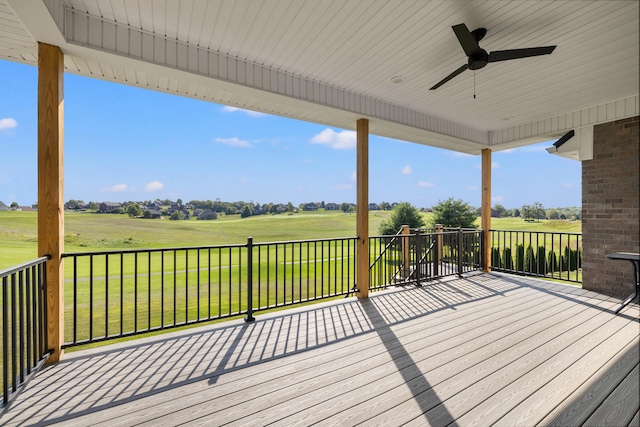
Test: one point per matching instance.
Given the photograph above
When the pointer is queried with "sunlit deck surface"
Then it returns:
(481, 350)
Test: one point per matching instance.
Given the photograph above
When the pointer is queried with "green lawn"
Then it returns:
(90, 231)
(203, 275)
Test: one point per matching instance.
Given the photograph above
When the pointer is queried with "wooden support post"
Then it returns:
(362, 208)
(50, 187)
(486, 208)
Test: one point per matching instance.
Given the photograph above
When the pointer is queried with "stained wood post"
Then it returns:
(486, 208)
(362, 208)
(50, 187)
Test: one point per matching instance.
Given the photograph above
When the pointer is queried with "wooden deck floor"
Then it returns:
(487, 349)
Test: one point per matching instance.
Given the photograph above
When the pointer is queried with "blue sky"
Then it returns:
(124, 143)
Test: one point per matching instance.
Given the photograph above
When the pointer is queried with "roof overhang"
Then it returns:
(282, 63)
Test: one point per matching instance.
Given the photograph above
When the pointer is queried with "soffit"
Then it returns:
(332, 62)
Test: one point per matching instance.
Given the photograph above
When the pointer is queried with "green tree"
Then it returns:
(344, 207)
(403, 214)
(147, 214)
(538, 211)
(502, 211)
(14, 205)
(454, 213)
(134, 210)
(246, 211)
(177, 215)
(93, 206)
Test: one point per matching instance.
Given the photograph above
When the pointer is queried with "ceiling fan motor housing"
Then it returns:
(478, 60)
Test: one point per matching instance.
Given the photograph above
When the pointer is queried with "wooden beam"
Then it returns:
(362, 208)
(50, 187)
(486, 207)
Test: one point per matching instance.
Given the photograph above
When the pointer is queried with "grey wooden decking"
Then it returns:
(487, 349)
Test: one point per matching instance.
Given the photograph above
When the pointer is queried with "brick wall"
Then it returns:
(610, 206)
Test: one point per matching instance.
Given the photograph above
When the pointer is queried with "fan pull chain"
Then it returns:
(474, 84)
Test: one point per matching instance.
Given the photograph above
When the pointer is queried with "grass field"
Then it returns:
(204, 282)
(89, 231)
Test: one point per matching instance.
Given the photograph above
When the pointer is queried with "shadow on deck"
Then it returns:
(484, 349)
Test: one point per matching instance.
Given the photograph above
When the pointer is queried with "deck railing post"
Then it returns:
(418, 257)
(406, 253)
(437, 256)
(460, 252)
(249, 317)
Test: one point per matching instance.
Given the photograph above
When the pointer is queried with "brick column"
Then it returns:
(610, 206)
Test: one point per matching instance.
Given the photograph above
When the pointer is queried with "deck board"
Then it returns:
(483, 349)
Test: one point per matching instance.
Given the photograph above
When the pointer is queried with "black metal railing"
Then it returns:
(114, 294)
(540, 254)
(419, 255)
(24, 330)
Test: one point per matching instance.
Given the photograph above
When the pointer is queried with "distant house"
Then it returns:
(374, 207)
(310, 207)
(332, 207)
(153, 213)
(106, 207)
(3, 207)
(25, 209)
(494, 213)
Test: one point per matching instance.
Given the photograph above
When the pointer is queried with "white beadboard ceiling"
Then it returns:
(332, 61)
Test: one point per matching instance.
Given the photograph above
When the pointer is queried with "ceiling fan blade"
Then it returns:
(505, 55)
(449, 77)
(466, 39)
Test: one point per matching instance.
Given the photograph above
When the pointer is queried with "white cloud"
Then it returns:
(343, 187)
(474, 188)
(407, 170)
(233, 142)
(426, 184)
(118, 188)
(230, 109)
(354, 176)
(497, 198)
(8, 123)
(299, 188)
(343, 140)
(568, 186)
(153, 186)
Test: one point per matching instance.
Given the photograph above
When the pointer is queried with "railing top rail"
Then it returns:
(140, 250)
(329, 239)
(538, 232)
(24, 266)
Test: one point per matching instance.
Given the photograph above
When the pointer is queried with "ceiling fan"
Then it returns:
(479, 57)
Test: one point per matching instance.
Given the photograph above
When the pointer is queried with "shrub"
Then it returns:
(529, 260)
(552, 262)
(541, 258)
(507, 259)
(495, 258)
(520, 258)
